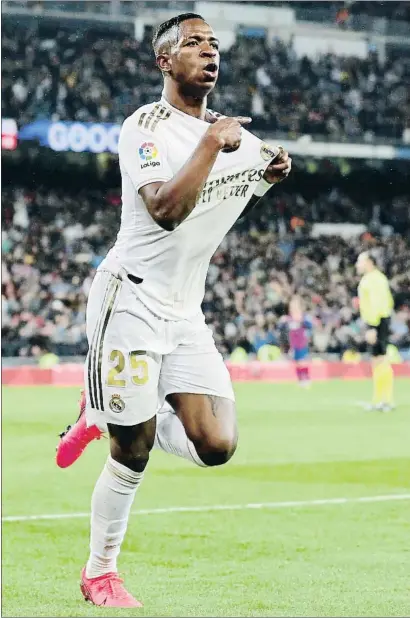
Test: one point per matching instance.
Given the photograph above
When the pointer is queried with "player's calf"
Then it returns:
(112, 499)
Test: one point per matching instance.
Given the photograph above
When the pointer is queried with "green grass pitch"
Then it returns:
(326, 559)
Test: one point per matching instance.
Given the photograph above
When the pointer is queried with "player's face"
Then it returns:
(194, 60)
(295, 308)
(361, 265)
(295, 304)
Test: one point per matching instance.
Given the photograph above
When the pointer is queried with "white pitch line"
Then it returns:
(220, 507)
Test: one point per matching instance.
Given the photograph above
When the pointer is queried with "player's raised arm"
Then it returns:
(169, 203)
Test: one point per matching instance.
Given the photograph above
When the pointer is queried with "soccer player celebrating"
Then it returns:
(376, 306)
(187, 175)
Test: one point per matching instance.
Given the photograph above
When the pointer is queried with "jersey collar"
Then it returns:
(178, 111)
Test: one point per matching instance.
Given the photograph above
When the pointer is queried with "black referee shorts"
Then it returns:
(383, 331)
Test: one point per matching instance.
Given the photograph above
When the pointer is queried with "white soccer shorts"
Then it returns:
(136, 359)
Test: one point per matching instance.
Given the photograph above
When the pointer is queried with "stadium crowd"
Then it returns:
(98, 75)
(53, 242)
(390, 9)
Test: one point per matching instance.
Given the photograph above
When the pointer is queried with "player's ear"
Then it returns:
(163, 63)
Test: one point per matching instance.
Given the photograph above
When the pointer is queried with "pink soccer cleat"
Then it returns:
(75, 438)
(107, 590)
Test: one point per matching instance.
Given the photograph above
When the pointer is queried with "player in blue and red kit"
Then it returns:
(298, 327)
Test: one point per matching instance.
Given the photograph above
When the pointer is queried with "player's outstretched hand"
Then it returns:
(227, 132)
(279, 168)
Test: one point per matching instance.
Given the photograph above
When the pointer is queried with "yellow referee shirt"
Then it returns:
(376, 300)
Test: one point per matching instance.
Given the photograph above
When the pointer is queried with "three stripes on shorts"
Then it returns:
(95, 353)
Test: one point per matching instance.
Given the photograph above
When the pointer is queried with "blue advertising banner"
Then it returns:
(74, 136)
(98, 137)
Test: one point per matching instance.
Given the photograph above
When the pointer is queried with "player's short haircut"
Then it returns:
(169, 30)
(367, 255)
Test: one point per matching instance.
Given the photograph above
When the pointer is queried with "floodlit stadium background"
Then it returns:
(331, 82)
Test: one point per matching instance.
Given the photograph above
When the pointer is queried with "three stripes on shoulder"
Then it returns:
(150, 121)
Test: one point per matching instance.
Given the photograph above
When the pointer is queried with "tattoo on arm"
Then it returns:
(214, 404)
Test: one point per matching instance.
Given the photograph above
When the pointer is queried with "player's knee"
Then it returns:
(133, 460)
(216, 450)
(130, 446)
(134, 456)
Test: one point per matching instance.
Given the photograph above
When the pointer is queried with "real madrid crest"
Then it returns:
(267, 153)
(116, 404)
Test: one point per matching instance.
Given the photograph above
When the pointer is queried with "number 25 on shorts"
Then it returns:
(139, 368)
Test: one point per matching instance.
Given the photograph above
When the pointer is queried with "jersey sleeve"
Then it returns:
(143, 155)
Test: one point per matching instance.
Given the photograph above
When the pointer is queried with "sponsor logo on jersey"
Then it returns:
(116, 404)
(148, 154)
(267, 153)
(233, 185)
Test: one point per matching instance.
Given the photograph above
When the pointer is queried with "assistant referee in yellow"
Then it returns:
(376, 306)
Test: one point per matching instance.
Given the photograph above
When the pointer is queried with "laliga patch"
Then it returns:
(149, 155)
(267, 153)
(116, 404)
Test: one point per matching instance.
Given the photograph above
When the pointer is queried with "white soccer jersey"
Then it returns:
(154, 144)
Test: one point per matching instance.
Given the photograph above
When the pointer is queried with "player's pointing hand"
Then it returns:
(225, 133)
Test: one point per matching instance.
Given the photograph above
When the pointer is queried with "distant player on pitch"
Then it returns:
(376, 306)
(298, 328)
(187, 176)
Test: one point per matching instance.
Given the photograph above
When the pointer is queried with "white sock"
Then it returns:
(171, 437)
(110, 508)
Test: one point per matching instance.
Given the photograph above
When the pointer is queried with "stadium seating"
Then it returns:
(54, 236)
(53, 241)
(67, 75)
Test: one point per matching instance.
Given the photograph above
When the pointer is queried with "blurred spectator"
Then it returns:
(388, 9)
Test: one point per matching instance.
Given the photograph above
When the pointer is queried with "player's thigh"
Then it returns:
(196, 381)
(121, 373)
(378, 349)
(383, 332)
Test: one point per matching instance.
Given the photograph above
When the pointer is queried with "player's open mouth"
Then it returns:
(211, 70)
